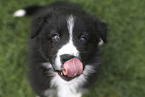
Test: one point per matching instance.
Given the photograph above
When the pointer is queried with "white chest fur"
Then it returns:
(67, 88)
(70, 88)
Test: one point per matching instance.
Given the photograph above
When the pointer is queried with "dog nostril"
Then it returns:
(66, 57)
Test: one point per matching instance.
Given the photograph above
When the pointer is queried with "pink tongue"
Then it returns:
(73, 67)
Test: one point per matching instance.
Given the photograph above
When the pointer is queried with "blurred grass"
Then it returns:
(123, 66)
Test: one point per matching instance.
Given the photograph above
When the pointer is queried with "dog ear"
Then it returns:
(102, 29)
(36, 26)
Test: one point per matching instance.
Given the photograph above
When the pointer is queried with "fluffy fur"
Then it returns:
(63, 29)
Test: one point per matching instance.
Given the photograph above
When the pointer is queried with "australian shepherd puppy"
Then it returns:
(64, 45)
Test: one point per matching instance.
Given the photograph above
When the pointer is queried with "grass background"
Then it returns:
(123, 66)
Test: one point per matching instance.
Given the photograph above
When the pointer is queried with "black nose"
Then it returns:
(66, 57)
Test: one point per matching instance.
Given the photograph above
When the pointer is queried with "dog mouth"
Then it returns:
(71, 69)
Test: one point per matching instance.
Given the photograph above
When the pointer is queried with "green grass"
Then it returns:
(123, 65)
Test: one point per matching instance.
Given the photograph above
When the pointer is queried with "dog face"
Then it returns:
(62, 37)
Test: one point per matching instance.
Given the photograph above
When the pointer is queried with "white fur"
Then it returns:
(19, 13)
(50, 92)
(70, 25)
(68, 48)
(71, 88)
(100, 42)
(47, 65)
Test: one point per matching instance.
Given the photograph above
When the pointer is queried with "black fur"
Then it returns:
(50, 20)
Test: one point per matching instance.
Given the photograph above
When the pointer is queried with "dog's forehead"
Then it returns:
(67, 24)
(75, 25)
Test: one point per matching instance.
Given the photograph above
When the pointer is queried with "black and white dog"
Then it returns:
(64, 49)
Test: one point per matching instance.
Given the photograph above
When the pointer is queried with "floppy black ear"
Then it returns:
(36, 26)
(102, 29)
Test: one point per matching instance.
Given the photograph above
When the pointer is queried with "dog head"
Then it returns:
(69, 40)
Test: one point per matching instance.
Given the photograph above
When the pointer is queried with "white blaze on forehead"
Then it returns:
(70, 25)
(68, 48)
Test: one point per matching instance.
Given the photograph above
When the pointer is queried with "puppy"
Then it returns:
(64, 56)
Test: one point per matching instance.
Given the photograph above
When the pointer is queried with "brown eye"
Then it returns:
(55, 38)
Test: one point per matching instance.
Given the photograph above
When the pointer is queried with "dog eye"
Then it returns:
(83, 39)
(55, 38)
